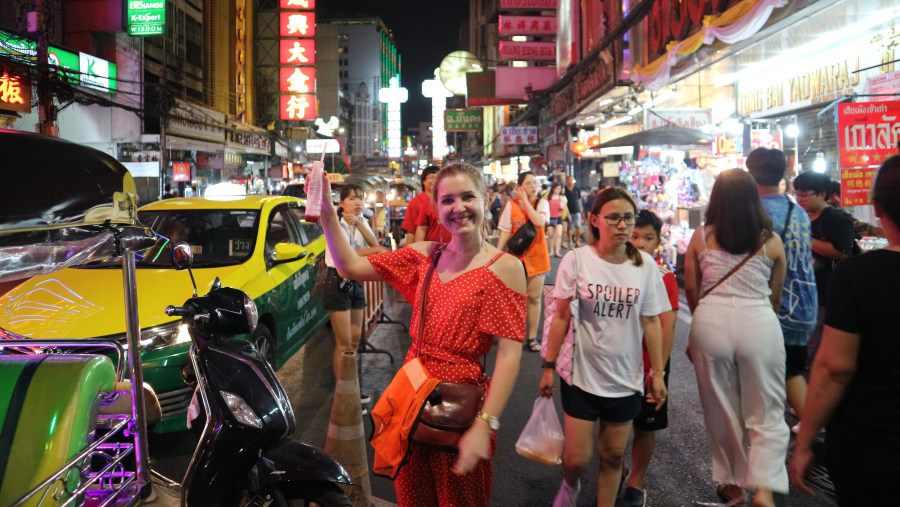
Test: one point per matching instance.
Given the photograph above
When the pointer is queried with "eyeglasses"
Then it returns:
(628, 218)
(804, 195)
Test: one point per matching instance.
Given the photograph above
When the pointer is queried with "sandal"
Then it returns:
(533, 344)
(731, 494)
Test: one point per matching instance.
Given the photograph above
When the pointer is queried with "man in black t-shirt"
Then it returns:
(832, 240)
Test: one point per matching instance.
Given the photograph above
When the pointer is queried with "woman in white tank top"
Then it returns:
(734, 273)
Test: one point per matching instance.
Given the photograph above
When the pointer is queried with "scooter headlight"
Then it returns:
(241, 411)
(166, 335)
(252, 312)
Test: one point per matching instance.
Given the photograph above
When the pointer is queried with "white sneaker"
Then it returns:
(567, 495)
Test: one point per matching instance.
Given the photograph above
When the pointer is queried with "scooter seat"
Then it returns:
(122, 403)
(47, 411)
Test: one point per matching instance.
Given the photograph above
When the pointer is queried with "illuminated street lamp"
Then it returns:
(438, 93)
(393, 96)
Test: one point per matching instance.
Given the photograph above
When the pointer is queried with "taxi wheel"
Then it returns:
(265, 343)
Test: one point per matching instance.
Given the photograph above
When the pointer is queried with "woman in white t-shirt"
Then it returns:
(344, 299)
(620, 295)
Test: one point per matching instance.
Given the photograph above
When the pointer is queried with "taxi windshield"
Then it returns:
(216, 237)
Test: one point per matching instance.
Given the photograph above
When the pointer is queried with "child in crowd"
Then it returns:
(647, 236)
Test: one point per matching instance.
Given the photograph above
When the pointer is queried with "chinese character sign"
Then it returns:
(855, 185)
(298, 107)
(297, 24)
(765, 138)
(181, 171)
(868, 132)
(297, 4)
(297, 51)
(297, 79)
(15, 94)
(519, 135)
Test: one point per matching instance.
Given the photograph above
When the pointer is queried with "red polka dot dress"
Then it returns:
(462, 318)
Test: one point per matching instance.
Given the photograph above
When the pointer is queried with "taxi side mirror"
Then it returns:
(286, 252)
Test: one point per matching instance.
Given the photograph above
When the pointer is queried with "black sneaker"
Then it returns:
(632, 498)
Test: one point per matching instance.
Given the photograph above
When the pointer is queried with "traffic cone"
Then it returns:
(346, 436)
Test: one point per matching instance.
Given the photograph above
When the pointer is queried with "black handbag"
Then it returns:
(522, 239)
(451, 408)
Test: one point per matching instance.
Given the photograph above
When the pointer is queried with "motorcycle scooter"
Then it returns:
(244, 456)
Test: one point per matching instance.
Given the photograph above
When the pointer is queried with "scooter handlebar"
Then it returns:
(181, 311)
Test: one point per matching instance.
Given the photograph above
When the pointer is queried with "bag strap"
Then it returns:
(728, 274)
(435, 256)
(787, 221)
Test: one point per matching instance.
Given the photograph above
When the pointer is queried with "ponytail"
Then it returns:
(634, 254)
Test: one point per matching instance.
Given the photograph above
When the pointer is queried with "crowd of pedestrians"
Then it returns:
(778, 296)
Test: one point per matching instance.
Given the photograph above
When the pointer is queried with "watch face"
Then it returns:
(494, 424)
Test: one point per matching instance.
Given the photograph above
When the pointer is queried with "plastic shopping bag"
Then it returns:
(542, 439)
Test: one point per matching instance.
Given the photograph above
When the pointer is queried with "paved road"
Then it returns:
(679, 475)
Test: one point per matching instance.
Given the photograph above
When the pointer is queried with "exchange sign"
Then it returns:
(460, 120)
(146, 17)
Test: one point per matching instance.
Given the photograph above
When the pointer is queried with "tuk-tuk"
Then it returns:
(73, 416)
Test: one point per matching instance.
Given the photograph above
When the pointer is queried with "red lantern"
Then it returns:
(579, 147)
(594, 140)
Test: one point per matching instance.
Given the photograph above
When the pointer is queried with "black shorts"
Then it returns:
(651, 419)
(590, 407)
(341, 295)
(796, 360)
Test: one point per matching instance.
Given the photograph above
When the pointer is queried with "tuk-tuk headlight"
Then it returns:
(166, 335)
(252, 312)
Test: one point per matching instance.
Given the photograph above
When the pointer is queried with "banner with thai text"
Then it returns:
(868, 132)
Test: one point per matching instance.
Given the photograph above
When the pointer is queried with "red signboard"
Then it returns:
(855, 185)
(765, 138)
(298, 107)
(524, 5)
(727, 144)
(297, 24)
(15, 93)
(598, 18)
(297, 51)
(544, 51)
(297, 4)
(181, 171)
(527, 25)
(297, 79)
(868, 132)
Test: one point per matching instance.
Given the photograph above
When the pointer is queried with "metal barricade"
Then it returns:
(374, 314)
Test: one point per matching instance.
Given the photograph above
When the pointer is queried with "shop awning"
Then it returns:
(661, 136)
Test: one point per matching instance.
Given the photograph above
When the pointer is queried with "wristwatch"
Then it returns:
(493, 422)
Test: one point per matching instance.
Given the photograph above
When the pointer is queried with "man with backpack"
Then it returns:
(799, 300)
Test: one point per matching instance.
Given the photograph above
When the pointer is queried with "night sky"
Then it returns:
(424, 30)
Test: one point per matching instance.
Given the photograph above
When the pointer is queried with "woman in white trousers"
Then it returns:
(734, 273)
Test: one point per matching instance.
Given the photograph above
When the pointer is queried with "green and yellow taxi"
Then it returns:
(258, 244)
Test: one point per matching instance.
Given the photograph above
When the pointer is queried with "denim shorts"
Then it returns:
(336, 298)
(553, 221)
(590, 407)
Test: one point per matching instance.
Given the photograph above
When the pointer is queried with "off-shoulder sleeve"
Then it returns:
(400, 269)
(503, 313)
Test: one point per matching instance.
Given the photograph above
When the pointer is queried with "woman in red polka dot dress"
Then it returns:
(476, 293)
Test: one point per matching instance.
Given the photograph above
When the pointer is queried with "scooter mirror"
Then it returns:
(182, 257)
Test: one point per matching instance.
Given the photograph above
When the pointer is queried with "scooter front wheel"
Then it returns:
(309, 494)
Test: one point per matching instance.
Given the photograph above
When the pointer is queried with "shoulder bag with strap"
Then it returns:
(451, 408)
(566, 356)
(524, 236)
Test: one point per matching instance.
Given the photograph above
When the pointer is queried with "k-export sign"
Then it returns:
(146, 17)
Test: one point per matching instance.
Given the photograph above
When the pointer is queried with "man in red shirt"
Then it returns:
(418, 203)
(646, 237)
